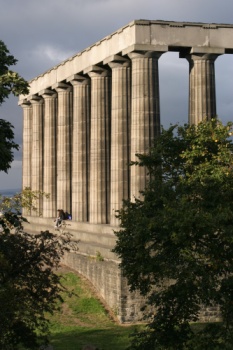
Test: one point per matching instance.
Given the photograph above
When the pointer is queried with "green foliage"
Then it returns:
(7, 145)
(99, 256)
(29, 286)
(176, 245)
(10, 82)
(26, 199)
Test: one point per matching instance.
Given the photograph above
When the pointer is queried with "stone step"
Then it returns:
(91, 241)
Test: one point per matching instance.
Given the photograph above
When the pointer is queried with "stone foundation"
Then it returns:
(210, 314)
(107, 279)
(96, 262)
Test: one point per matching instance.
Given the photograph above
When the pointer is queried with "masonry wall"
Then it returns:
(107, 279)
(91, 256)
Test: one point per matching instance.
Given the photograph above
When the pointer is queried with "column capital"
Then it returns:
(145, 48)
(24, 103)
(145, 54)
(201, 57)
(77, 79)
(115, 61)
(61, 87)
(35, 99)
(96, 71)
(47, 93)
(202, 53)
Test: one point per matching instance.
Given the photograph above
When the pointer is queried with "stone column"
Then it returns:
(81, 145)
(37, 151)
(120, 133)
(202, 95)
(145, 115)
(99, 144)
(64, 122)
(49, 151)
(27, 148)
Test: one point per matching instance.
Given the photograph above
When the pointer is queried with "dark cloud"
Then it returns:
(40, 34)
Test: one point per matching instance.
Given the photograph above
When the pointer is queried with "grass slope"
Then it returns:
(82, 319)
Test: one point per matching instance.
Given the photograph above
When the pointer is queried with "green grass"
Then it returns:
(82, 320)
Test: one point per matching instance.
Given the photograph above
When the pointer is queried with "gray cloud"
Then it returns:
(42, 34)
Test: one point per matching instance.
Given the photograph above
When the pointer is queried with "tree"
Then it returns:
(176, 245)
(10, 82)
(7, 145)
(29, 285)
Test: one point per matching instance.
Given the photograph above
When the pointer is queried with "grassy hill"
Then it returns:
(83, 319)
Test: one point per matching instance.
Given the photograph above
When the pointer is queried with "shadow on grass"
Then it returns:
(115, 338)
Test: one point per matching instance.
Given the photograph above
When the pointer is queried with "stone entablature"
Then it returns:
(142, 35)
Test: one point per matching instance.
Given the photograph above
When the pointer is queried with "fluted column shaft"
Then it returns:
(49, 151)
(64, 122)
(100, 146)
(81, 148)
(202, 95)
(37, 151)
(145, 115)
(27, 148)
(120, 134)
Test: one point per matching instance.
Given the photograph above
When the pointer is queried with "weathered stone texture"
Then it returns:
(110, 285)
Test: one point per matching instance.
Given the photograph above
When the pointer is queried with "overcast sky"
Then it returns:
(42, 33)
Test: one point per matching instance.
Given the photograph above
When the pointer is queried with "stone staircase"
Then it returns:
(92, 239)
